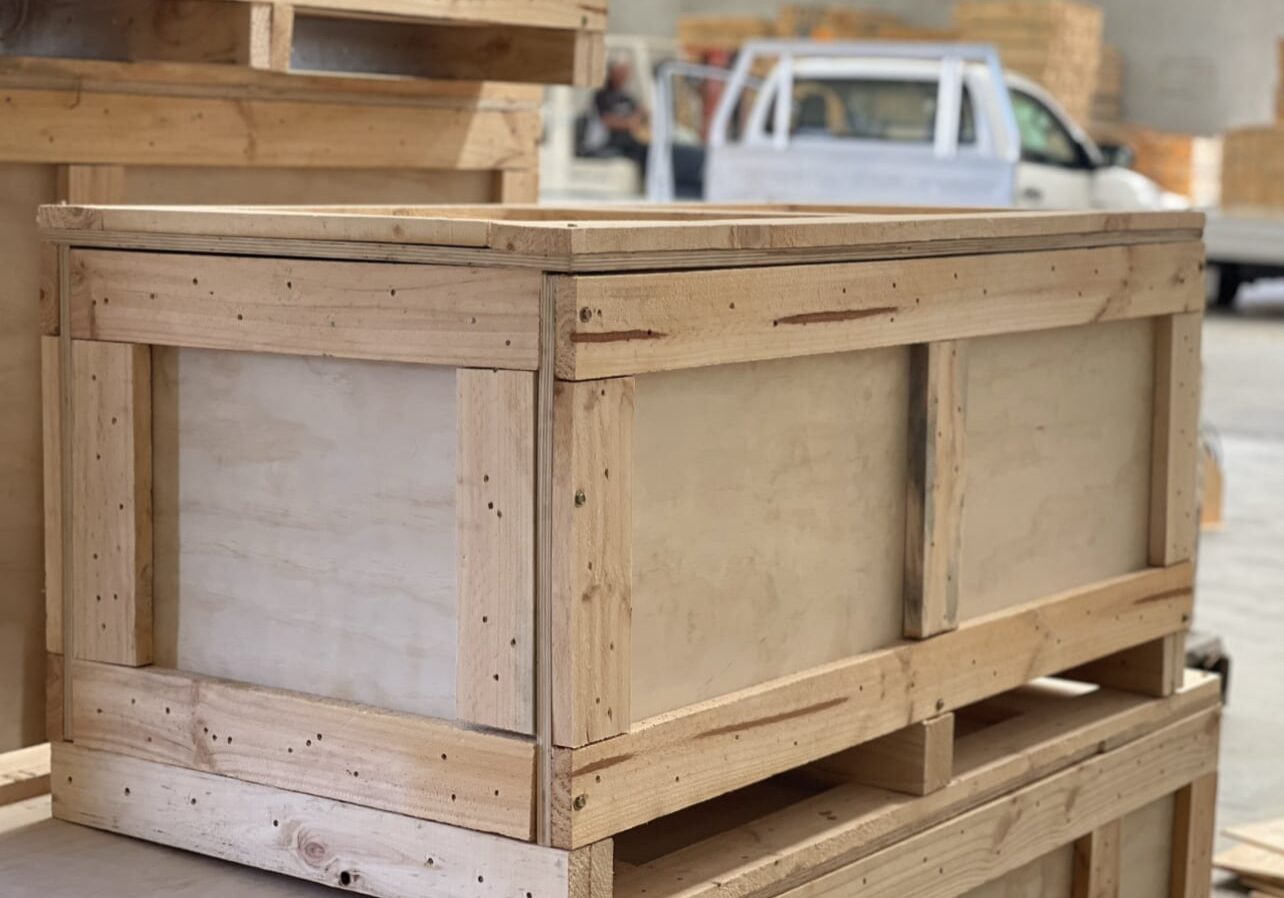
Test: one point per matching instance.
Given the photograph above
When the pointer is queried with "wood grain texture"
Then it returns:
(592, 559)
(1152, 668)
(1058, 461)
(417, 766)
(995, 838)
(934, 500)
(1194, 828)
(1054, 729)
(1174, 525)
(126, 128)
(679, 759)
(1146, 850)
(546, 13)
(112, 496)
(1097, 862)
(651, 322)
(308, 544)
(24, 773)
(1047, 877)
(442, 316)
(364, 850)
(915, 760)
(495, 523)
(767, 521)
(51, 432)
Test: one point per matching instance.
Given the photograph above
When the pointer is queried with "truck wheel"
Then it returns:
(1228, 279)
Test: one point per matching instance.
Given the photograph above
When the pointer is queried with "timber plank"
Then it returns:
(679, 759)
(1096, 862)
(332, 842)
(1174, 526)
(443, 316)
(655, 322)
(417, 766)
(24, 773)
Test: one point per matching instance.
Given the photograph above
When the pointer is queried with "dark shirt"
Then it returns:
(610, 101)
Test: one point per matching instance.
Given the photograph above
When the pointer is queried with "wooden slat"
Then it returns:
(51, 430)
(112, 488)
(24, 773)
(546, 13)
(432, 315)
(839, 826)
(416, 766)
(947, 860)
(1174, 527)
(934, 501)
(1152, 668)
(592, 559)
(54, 665)
(679, 759)
(655, 322)
(1193, 831)
(516, 186)
(123, 128)
(495, 515)
(271, 36)
(336, 843)
(915, 760)
(1096, 862)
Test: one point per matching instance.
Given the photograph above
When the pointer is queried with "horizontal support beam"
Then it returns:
(547, 13)
(366, 310)
(420, 767)
(336, 843)
(1053, 731)
(608, 326)
(127, 128)
(24, 773)
(915, 760)
(679, 759)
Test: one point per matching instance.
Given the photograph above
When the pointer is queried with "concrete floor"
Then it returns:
(1240, 593)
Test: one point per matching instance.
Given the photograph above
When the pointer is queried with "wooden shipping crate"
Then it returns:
(666, 501)
(541, 41)
(1253, 168)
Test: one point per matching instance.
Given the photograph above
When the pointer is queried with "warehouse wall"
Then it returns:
(1196, 66)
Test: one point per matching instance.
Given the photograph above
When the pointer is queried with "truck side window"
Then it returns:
(1044, 139)
(872, 109)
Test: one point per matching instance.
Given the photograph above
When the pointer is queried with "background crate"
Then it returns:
(537, 444)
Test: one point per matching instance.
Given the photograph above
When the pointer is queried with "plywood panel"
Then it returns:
(768, 520)
(1058, 468)
(1147, 854)
(22, 705)
(305, 528)
(1050, 876)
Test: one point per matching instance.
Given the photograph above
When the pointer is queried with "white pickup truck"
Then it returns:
(1242, 246)
(895, 123)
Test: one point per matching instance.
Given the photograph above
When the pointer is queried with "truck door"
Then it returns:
(1055, 171)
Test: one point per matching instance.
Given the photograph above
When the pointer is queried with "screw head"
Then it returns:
(579, 802)
(940, 704)
(580, 498)
(586, 313)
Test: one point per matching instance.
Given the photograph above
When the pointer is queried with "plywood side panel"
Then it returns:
(1058, 472)
(1146, 855)
(22, 706)
(768, 521)
(307, 543)
(1048, 877)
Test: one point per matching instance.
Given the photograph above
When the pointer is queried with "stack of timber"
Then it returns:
(845, 23)
(644, 508)
(196, 101)
(1258, 858)
(698, 35)
(1107, 101)
(1253, 168)
(1279, 85)
(1055, 42)
(1186, 164)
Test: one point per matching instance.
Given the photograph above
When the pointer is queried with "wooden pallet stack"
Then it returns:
(1187, 164)
(1055, 42)
(1107, 100)
(1279, 84)
(1253, 167)
(844, 23)
(647, 552)
(196, 101)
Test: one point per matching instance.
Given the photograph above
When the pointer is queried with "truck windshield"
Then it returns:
(872, 109)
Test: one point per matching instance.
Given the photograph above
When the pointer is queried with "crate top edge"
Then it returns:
(587, 238)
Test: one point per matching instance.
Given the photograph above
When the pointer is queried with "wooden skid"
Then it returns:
(549, 41)
(676, 760)
(24, 773)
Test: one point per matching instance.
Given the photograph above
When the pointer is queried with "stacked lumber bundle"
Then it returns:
(646, 588)
(1182, 163)
(198, 101)
(1055, 42)
(1253, 168)
(1258, 859)
(1279, 85)
(844, 23)
(701, 34)
(1107, 101)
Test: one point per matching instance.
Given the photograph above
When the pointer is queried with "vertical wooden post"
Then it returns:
(516, 186)
(1154, 668)
(270, 36)
(934, 509)
(1096, 862)
(1174, 525)
(915, 760)
(111, 481)
(592, 559)
(51, 427)
(1194, 817)
(495, 515)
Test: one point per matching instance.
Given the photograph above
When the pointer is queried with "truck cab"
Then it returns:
(901, 123)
